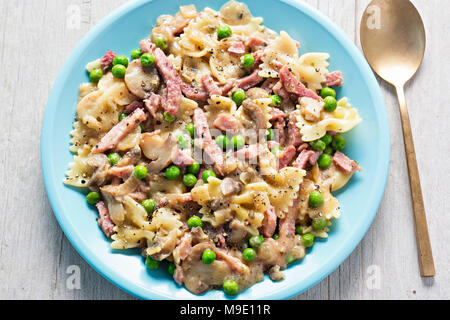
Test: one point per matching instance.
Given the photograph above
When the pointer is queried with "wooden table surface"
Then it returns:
(37, 260)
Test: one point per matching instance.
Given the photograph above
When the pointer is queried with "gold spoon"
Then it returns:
(393, 40)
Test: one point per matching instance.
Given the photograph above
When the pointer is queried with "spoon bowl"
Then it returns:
(395, 44)
(393, 40)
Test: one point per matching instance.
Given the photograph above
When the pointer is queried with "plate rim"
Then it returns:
(142, 293)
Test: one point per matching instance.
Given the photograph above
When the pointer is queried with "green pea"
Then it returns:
(319, 223)
(290, 259)
(318, 145)
(325, 161)
(276, 236)
(93, 197)
(315, 199)
(247, 60)
(136, 54)
(271, 134)
(193, 168)
(276, 150)
(328, 150)
(171, 268)
(161, 42)
(239, 96)
(249, 254)
(308, 240)
(298, 229)
(151, 264)
(113, 158)
(140, 172)
(327, 138)
(95, 75)
(194, 222)
(191, 130)
(122, 116)
(230, 287)
(149, 205)
(238, 142)
(147, 59)
(222, 141)
(168, 117)
(223, 32)
(122, 60)
(327, 92)
(256, 241)
(172, 173)
(142, 127)
(330, 104)
(183, 142)
(276, 101)
(207, 174)
(189, 180)
(208, 256)
(339, 142)
(119, 71)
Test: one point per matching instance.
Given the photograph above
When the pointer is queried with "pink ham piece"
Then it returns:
(303, 159)
(268, 84)
(344, 163)
(172, 96)
(249, 81)
(294, 135)
(333, 79)
(107, 60)
(292, 85)
(278, 126)
(313, 159)
(153, 103)
(269, 223)
(302, 147)
(226, 122)
(276, 114)
(234, 263)
(210, 86)
(119, 131)
(104, 220)
(194, 93)
(281, 91)
(210, 147)
(236, 47)
(183, 249)
(254, 41)
(286, 156)
(183, 159)
(133, 106)
(121, 172)
(250, 152)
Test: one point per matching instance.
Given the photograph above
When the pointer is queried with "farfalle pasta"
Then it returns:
(215, 148)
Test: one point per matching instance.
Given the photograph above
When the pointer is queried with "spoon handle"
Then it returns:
(426, 262)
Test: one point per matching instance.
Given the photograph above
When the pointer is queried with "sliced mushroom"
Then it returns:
(256, 93)
(252, 110)
(141, 81)
(100, 164)
(161, 152)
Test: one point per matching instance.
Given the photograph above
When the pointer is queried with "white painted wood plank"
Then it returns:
(34, 253)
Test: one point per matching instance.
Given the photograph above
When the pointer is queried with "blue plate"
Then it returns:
(368, 143)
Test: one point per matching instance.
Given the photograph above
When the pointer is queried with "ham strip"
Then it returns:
(107, 60)
(194, 93)
(276, 114)
(104, 220)
(234, 263)
(226, 122)
(172, 96)
(344, 163)
(333, 79)
(249, 81)
(210, 86)
(250, 152)
(313, 159)
(133, 106)
(281, 91)
(286, 156)
(254, 41)
(119, 131)
(303, 159)
(237, 47)
(292, 85)
(183, 159)
(279, 127)
(153, 103)
(269, 83)
(210, 147)
(121, 172)
(269, 223)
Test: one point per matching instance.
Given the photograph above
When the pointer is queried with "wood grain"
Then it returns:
(35, 40)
